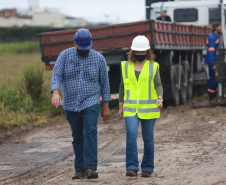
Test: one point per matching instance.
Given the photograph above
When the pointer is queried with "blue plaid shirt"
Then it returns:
(83, 79)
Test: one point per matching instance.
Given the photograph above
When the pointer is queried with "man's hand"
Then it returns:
(56, 99)
(214, 67)
(120, 110)
(105, 112)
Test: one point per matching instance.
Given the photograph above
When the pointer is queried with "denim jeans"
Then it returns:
(84, 132)
(131, 143)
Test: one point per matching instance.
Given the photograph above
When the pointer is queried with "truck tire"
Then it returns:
(187, 71)
(174, 86)
(198, 61)
(182, 90)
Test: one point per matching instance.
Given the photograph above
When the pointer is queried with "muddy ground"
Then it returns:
(189, 149)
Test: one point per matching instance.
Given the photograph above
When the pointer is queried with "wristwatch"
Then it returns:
(160, 99)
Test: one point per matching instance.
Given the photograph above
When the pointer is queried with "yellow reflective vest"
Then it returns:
(140, 96)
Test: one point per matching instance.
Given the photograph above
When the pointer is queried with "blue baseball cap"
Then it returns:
(83, 39)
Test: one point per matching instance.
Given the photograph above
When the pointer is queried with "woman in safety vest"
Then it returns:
(140, 98)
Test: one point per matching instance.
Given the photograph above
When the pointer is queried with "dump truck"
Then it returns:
(196, 12)
(178, 49)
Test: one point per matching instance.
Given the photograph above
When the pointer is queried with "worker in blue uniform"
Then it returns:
(212, 45)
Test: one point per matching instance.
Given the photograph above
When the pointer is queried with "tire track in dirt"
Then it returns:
(188, 150)
(106, 149)
(61, 171)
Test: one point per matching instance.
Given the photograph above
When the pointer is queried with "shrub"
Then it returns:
(10, 99)
(2, 95)
(33, 81)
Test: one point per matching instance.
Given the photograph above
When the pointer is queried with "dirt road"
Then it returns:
(189, 149)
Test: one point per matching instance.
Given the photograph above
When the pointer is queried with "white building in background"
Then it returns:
(10, 18)
(46, 18)
(55, 20)
(34, 16)
(74, 22)
(15, 22)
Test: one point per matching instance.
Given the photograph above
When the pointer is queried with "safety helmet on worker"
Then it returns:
(140, 43)
(83, 39)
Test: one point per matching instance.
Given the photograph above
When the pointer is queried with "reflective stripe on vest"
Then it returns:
(142, 110)
(149, 101)
(127, 101)
(129, 109)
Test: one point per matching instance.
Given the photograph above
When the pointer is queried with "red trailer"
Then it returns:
(178, 49)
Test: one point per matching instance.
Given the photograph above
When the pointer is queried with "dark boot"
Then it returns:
(79, 175)
(131, 173)
(146, 174)
(211, 96)
(91, 174)
(215, 95)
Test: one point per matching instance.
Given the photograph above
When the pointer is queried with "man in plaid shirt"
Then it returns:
(82, 72)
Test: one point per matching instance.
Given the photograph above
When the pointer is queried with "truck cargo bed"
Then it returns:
(116, 38)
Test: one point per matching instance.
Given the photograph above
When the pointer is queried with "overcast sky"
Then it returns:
(115, 11)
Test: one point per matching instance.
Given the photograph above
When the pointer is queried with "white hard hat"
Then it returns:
(140, 43)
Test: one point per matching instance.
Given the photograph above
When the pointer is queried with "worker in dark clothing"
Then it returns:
(163, 16)
(212, 45)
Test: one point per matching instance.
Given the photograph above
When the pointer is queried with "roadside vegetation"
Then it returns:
(24, 86)
(27, 47)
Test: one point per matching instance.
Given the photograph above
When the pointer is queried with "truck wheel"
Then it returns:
(198, 61)
(182, 91)
(174, 86)
(187, 71)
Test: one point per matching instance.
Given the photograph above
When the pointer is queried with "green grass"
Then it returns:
(20, 47)
(11, 66)
(21, 107)
(204, 97)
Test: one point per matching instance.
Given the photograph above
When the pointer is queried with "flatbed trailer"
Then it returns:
(178, 48)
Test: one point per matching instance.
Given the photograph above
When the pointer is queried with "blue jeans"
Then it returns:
(84, 132)
(131, 143)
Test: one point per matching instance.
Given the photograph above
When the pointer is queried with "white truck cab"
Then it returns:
(197, 12)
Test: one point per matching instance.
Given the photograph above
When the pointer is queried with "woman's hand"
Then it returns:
(120, 111)
(159, 104)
